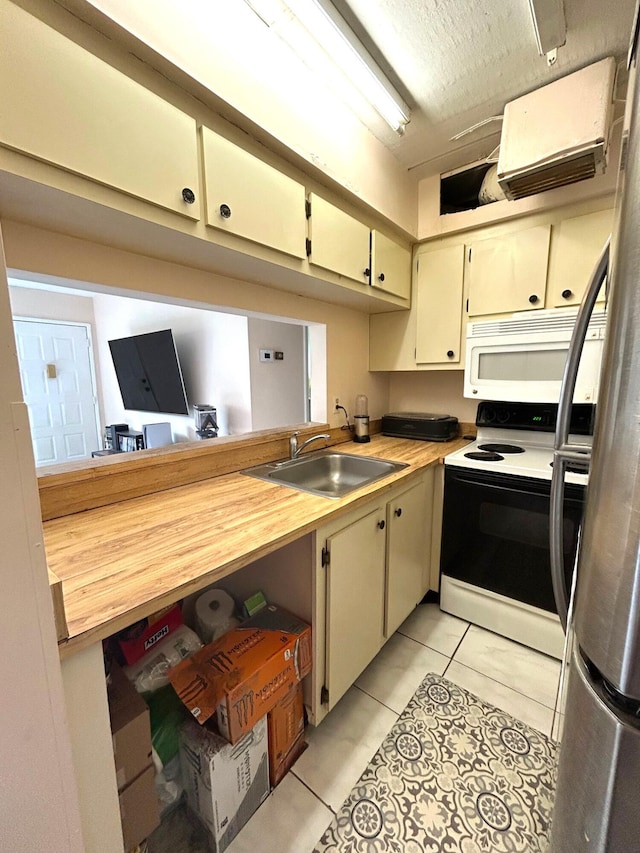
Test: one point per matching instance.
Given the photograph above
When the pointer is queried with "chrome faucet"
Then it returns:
(294, 450)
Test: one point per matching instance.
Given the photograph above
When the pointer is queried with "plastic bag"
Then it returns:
(150, 672)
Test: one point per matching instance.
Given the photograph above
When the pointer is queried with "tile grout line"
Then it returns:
(501, 683)
(311, 791)
(393, 710)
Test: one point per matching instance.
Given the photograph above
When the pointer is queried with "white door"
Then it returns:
(59, 389)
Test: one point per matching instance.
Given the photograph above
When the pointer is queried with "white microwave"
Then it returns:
(522, 358)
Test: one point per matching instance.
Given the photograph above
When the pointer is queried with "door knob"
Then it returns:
(450, 353)
(188, 195)
(533, 299)
(381, 277)
(567, 294)
(381, 525)
(225, 211)
(398, 512)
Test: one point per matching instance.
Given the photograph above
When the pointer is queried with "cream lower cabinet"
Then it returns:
(376, 569)
(89, 119)
(408, 550)
(250, 198)
(355, 563)
(509, 273)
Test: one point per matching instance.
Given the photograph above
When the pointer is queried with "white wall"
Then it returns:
(277, 387)
(212, 349)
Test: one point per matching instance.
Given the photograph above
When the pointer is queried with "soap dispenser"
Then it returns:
(361, 418)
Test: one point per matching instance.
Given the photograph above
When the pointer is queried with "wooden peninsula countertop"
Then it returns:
(121, 562)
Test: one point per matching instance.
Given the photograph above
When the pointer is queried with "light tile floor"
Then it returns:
(516, 679)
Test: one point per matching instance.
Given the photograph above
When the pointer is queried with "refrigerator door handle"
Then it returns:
(564, 452)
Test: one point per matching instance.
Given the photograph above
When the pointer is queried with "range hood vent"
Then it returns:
(557, 135)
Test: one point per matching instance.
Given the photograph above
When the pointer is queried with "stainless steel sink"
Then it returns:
(330, 475)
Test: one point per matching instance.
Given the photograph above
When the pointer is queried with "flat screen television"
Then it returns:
(148, 373)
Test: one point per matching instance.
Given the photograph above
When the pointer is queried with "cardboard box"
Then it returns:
(139, 808)
(136, 641)
(224, 784)
(130, 728)
(285, 724)
(244, 673)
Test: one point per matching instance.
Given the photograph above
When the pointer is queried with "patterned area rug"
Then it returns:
(454, 775)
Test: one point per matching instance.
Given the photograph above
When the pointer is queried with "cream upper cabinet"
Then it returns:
(354, 600)
(408, 550)
(575, 249)
(390, 266)
(249, 198)
(90, 119)
(438, 305)
(509, 272)
(338, 242)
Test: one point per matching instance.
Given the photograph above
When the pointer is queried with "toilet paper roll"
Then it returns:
(214, 614)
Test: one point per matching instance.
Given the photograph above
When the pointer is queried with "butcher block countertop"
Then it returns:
(122, 562)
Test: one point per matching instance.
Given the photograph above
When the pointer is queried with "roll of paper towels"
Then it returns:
(214, 614)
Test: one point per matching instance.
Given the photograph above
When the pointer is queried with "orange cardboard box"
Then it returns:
(243, 674)
(286, 734)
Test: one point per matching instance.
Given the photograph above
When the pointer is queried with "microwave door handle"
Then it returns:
(570, 375)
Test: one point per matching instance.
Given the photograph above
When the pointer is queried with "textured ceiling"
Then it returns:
(460, 61)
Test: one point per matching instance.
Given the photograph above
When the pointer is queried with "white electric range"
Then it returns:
(495, 565)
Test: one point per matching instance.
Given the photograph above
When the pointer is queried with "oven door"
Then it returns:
(495, 534)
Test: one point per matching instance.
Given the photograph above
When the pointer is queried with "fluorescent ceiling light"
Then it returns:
(549, 24)
(322, 39)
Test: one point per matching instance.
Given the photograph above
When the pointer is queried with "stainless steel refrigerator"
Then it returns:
(597, 806)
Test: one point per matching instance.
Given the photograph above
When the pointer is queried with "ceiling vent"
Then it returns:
(558, 134)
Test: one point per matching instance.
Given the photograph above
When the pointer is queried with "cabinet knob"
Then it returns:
(533, 299)
(367, 272)
(450, 353)
(381, 277)
(188, 195)
(381, 524)
(398, 512)
(567, 294)
(225, 211)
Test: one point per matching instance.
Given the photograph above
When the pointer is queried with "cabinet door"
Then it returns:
(249, 198)
(90, 119)
(575, 249)
(390, 266)
(439, 305)
(408, 550)
(339, 242)
(355, 600)
(509, 273)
